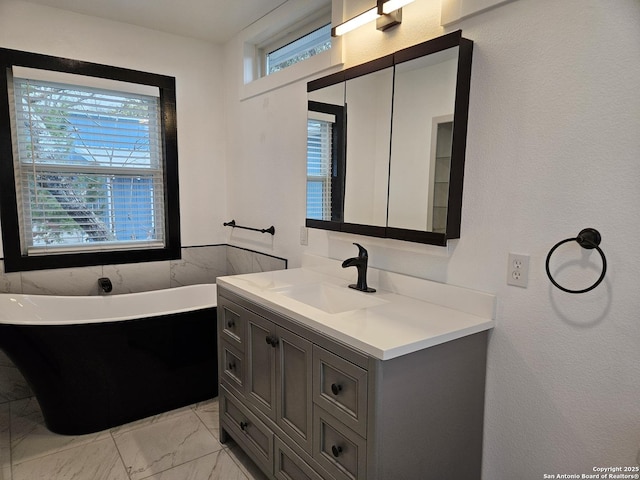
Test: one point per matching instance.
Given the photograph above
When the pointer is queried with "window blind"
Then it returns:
(319, 164)
(88, 166)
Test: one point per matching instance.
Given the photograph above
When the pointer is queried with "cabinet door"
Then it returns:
(247, 430)
(340, 387)
(294, 376)
(289, 466)
(338, 449)
(260, 368)
(232, 367)
(231, 322)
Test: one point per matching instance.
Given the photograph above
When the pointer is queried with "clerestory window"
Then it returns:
(306, 46)
(295, 42)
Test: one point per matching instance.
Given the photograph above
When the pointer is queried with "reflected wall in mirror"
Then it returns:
(399, 164)
(368, 101)
(423, 103)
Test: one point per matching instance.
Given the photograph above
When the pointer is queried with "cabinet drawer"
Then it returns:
(289, 466)
(247, 429)
(338, 449)
(233, 373)
(340, 387)
(232, 322)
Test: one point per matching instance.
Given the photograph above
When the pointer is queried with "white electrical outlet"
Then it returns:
(518, 270)
(304, 236)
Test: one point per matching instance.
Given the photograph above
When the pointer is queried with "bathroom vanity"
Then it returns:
(319, 381)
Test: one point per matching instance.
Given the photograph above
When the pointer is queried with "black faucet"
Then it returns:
(360, 262)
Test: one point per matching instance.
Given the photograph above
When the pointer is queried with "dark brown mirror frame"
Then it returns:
(459, 142)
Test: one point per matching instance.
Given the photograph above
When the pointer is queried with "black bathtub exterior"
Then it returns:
(93, 376)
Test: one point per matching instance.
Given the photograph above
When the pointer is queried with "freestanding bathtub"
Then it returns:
(97, 362)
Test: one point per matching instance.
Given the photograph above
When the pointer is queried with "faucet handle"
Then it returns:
(362, 252)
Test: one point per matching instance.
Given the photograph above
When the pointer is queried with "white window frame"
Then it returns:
(25, 166)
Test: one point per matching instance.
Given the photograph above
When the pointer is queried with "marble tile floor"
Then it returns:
(178, 445)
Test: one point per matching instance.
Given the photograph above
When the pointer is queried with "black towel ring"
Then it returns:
(588, 238)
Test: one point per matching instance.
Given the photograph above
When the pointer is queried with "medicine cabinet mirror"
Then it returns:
(386, 144)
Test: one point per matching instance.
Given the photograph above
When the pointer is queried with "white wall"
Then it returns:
(552, 148)
(420, 96)
(196, 66)
(368, 140)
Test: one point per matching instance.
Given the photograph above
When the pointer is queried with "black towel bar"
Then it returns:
(233, 224)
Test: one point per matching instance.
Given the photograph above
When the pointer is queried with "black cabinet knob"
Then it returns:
(232, 365)
(243, 426)
(231, 324)
(272, 340)
(336, 451)
(335, 388)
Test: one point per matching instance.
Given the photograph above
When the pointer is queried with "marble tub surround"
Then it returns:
(62, 281)
(176, 445)
(405, 315)
(241, 261)
(134, 277)
(10, 282)
(199, 264)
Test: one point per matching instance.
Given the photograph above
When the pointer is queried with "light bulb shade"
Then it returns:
(355, 22)
(388, 6)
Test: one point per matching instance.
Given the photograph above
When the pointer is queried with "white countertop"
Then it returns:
(393, 321)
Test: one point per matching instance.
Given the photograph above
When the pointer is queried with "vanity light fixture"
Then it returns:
(387, 13)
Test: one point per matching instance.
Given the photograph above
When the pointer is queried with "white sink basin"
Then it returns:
(329, 298)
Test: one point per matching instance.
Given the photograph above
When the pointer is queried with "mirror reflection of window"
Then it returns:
(325, 161)
(319, 161)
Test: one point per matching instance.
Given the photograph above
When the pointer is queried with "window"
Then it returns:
(296, 43)
(304, 47)
(89, 171)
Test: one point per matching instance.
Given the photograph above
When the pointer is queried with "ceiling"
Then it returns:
(213, 20)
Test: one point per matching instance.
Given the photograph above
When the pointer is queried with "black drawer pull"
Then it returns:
(243, 426)
(231, 324)
(272, 340)
(336, 450)
(336, 389)
(232, 366)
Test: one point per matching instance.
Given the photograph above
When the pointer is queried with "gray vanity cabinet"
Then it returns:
(279, 377)
(273, 374)
(305, 406)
